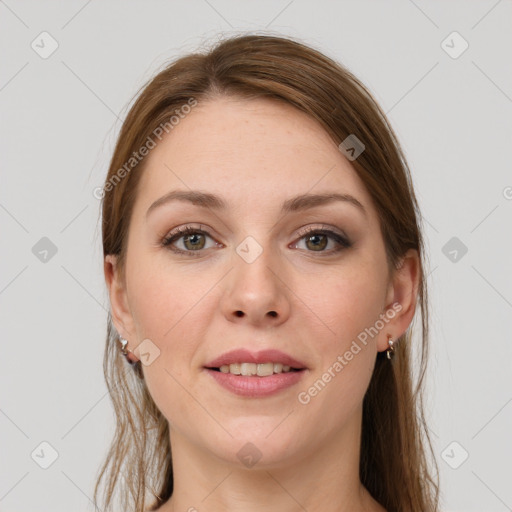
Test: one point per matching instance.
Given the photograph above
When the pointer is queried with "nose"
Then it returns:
(256, 293)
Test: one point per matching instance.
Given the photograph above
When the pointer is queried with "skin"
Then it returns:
(256, 154)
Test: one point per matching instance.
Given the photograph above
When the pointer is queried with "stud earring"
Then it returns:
(390, 352)
(135, 364)
(126, 351)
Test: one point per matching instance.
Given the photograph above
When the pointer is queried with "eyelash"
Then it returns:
(343, 242)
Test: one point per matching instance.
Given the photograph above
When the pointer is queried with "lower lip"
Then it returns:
(254, 386)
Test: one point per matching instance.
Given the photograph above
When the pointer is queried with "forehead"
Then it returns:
(249, 151)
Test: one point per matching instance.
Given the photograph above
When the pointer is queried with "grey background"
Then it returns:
(60, 116)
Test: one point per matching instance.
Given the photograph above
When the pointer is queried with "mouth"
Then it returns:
(255, 369)
(255, 374)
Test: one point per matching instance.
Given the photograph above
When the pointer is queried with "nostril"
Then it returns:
(272, 313)
(239, 313)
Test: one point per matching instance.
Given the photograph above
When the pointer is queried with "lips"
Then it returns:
(256, 387)
(263, 356)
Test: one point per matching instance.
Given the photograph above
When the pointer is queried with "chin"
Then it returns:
(257, 447)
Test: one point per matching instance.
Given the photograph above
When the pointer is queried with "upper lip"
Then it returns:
(263, 356)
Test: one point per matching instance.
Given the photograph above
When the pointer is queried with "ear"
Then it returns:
(121, 315)
(401, 298)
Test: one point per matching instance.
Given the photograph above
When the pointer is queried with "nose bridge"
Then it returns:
(255, 289)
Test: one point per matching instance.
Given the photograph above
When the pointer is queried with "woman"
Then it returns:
(264, 263)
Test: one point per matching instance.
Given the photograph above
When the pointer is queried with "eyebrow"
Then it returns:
(295, 204)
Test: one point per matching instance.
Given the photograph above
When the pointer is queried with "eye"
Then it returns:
(317, 240)
(191, 240)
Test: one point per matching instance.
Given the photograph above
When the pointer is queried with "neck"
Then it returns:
(324, 479)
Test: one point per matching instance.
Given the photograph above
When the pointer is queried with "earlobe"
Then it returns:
(402, 297)
(121, 315)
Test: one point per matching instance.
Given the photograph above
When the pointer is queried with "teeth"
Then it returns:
(248, 369)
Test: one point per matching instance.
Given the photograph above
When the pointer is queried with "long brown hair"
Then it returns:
(397, 465)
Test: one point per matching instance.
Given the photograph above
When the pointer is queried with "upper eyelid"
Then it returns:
(302, 231)
(183, 230)
(325, 228)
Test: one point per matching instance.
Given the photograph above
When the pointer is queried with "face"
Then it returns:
(256, 270)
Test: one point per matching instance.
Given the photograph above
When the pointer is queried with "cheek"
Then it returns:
(160, 314)
(165, 299)
(336, 387)
(167, 307)
(349, 302)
